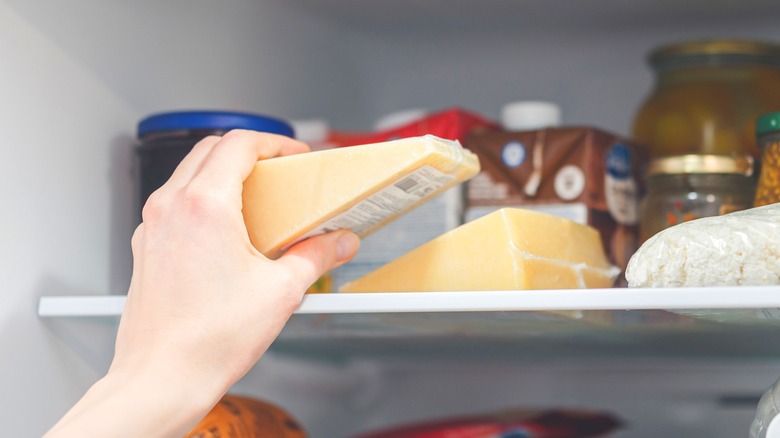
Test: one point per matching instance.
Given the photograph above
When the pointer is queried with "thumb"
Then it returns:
(315, 256)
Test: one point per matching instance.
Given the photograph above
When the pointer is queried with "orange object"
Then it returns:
(768, 132)
(243, 417)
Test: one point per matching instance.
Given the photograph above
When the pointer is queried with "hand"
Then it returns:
(203, 304)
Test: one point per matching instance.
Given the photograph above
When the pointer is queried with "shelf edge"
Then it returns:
(743, 297)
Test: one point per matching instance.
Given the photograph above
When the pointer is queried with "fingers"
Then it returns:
(217, 166)
(192, 161)
(315, 256)
(233, 158)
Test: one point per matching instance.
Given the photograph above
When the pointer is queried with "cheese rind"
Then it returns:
(508, 249)
(287, 199)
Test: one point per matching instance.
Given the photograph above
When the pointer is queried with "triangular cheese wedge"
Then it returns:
(362, 188)
(508, 249)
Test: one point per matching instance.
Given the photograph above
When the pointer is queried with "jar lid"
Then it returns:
(528, 115)
(740, 164)
(217, 120)
(768, 123)
(691, 52)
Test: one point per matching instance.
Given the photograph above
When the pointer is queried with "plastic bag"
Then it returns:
(741, 248)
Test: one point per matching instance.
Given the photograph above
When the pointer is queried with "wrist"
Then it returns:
(170, 405)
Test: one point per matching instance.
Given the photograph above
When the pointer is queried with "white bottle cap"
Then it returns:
(529, 115)
(311, 130)
(399, 118)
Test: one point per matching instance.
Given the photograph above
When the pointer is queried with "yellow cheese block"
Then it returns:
(362, 188)
(508, 249)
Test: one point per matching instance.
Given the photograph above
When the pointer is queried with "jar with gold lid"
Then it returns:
(686, 187)
(706, 97)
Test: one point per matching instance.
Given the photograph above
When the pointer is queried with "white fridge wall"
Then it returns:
(260, 56)
(586, 57)
(62, 131)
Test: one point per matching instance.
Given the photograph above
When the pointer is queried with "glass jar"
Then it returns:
(706, 97)
(768, 133)
(687, 187)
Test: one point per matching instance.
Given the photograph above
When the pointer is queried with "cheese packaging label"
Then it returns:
(389, 202)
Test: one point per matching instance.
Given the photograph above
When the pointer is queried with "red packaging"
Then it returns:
(530, 424)
(452, 124)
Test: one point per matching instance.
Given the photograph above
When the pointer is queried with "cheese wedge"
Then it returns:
(508, 249)
(362, 188)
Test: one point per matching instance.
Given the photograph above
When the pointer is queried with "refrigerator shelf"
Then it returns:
(633, 324)
(763, 300)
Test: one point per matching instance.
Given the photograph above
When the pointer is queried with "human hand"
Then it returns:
(203, 304)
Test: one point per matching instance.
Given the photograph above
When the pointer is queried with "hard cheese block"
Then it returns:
(362, 188)
(508, 249)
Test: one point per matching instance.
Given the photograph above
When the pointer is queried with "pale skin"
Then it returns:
(203, 305)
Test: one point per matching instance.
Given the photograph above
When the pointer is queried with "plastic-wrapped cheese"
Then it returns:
(508, 249)
(741, 248)
(288, 199)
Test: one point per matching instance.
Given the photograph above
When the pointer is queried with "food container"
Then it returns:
(707, 96)
(164, 139)
(686, 187)
(768, 133)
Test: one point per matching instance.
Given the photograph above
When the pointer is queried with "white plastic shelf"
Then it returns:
(764, 298)
(699, 323)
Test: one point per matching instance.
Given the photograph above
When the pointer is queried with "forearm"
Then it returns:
(137, 404)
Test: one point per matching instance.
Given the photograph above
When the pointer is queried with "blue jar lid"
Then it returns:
(217, 120)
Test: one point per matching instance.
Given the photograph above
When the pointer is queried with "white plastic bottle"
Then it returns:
(767, 421)
(527, 115)
(313, 132)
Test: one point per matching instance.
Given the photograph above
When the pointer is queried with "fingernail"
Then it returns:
(347, 245)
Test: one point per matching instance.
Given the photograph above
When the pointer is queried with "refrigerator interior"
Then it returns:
(77, 76)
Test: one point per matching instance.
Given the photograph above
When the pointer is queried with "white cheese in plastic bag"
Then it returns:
(741, 248)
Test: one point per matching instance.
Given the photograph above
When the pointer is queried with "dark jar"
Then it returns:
(768, 133)
(688, 187)
(165, 139)
(707, 96)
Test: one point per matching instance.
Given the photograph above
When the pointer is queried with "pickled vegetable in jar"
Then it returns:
(768, 133)
(707, 96)
(687, 187)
